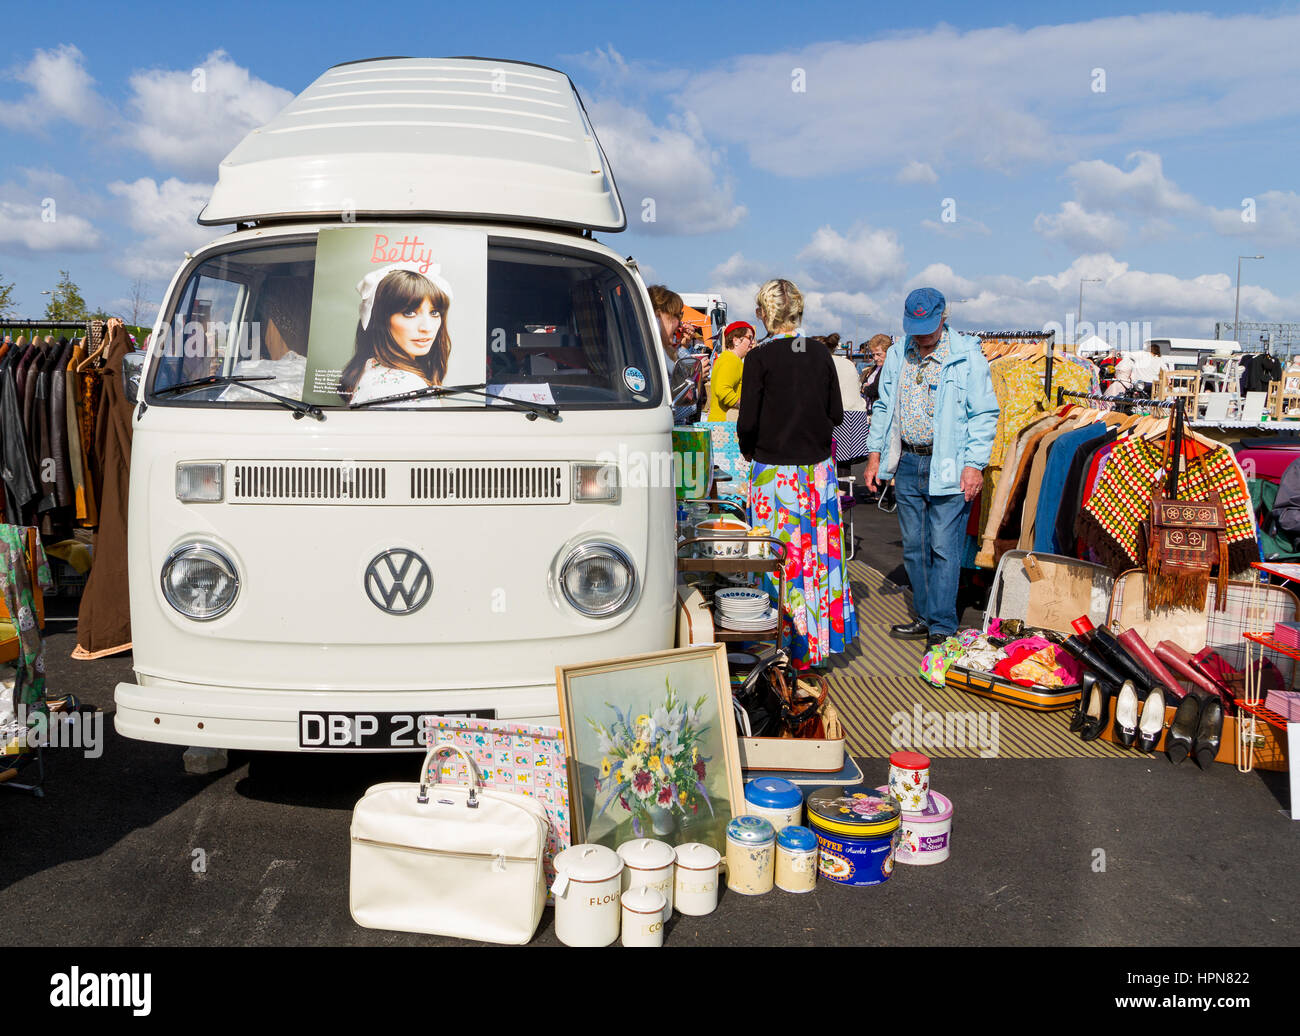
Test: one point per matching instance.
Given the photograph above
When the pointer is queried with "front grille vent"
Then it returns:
(307, 483)
(477, 483)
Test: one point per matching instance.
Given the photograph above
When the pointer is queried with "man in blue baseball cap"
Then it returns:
(934, 423)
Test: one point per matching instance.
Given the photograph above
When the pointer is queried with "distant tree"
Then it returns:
(140, 304)
(99, 314)
(66, 303)
(6, 299)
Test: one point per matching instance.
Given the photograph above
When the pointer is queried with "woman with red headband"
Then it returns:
(724, 387)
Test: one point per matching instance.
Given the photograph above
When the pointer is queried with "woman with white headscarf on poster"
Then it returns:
(402, 341)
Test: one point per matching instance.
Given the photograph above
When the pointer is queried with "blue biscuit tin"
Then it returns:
(857, 830)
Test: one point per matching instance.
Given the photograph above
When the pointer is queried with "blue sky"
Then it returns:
(1000, 152)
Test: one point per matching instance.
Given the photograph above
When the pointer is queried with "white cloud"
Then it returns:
(1089, 223)
(917, 172)
(1001, 97)
(22, 229)
(164, 217)
(1144, 188)
(59, 90)
(1276, 218)
(1081, 230)
(182, 127)
(46, 214)
(866, 259)
(668, 171)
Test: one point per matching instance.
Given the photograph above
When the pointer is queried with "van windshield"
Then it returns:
(562, 327)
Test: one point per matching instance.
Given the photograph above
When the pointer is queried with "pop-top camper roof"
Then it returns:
(440, 137)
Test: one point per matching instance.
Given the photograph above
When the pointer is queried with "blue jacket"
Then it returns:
(965, 415)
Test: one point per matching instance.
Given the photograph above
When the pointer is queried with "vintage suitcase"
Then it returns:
(1048, 591)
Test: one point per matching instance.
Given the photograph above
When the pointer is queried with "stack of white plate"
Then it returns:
(744, 609)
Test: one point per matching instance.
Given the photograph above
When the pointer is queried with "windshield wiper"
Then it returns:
(299, 408)
(550, 411)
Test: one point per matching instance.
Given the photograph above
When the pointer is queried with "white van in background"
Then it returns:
(1188, 353)
(311, 570)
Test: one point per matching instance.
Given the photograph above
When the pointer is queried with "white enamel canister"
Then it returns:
(644, 913)
(587, 889)
(650, 863)
(696, 881)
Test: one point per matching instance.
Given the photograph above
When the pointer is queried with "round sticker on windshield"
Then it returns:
(634, 379)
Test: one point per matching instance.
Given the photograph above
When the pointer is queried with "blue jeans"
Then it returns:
(934, 533)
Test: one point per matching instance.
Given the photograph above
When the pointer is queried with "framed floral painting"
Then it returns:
(652, 748)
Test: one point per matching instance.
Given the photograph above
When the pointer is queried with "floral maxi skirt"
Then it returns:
(799, 504)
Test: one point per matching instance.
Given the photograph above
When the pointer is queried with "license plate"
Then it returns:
(381, 731)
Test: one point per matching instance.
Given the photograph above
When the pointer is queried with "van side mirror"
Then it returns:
(132, 369)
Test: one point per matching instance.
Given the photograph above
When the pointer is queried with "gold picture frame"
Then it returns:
(652, 747)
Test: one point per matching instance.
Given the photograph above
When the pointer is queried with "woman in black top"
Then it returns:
(790, 404)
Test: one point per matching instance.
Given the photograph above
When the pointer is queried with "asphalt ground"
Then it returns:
(127, 850)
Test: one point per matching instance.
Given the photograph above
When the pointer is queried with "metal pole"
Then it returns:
(1236, 310)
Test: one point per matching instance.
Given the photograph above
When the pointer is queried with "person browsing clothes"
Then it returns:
(932, 432)
(789, 407)
(724, 386)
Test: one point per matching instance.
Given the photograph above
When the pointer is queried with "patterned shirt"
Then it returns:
(918, 381)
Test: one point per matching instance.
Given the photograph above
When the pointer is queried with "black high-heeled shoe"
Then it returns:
(1098, 714)
(1182, 731)
(1209, 733)
(1080, 707)
(1152, 721)
(1126, 714)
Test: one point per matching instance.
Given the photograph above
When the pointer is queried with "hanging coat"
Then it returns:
(104, 622)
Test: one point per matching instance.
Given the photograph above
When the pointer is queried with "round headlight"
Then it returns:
(598, 579)
(200, 582)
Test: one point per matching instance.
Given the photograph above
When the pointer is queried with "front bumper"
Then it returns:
(267, 721)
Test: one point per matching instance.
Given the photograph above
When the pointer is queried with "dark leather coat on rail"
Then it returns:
(104, 622)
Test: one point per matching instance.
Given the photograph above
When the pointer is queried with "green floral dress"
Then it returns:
(21, 603)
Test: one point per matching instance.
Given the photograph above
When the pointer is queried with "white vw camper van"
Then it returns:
(371, 476)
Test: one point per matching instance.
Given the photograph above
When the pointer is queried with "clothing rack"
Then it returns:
(1113, 401)
(1177, 405)
(1045, 336)
(46, 325)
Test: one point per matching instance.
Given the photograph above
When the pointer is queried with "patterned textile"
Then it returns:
(851, 436)
(726, 455)
(918, 381)
(21, 603)
(799, 503)
(518, 757)
(1109, 520)
(1019, 388)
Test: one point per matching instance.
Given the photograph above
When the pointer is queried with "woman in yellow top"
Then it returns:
(724, 386)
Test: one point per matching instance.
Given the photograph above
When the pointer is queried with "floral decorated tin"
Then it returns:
(909, 780)
(856, 829)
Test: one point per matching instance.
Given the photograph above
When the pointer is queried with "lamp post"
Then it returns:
(1236, 311)
(1079, 311)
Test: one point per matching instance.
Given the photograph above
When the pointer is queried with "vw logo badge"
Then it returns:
(398, 582)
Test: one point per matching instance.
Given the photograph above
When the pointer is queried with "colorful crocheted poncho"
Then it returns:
(1109, 520)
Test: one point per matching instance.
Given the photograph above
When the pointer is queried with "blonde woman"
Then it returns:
(789, 405)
